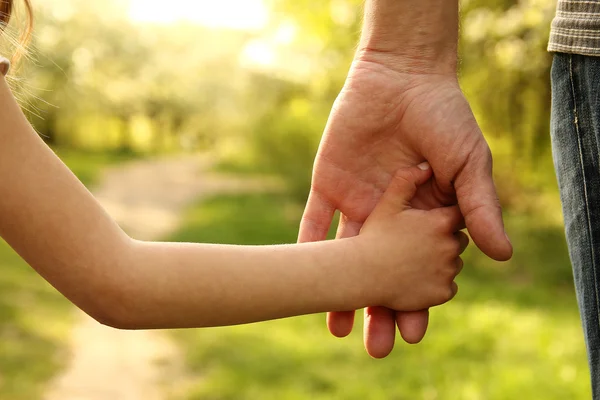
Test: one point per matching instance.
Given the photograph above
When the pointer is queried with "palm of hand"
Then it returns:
(383, 121)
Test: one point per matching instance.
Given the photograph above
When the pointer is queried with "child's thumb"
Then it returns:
(403, 187)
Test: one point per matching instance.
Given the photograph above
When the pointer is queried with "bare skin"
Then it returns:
(404, 259)
(402, 105)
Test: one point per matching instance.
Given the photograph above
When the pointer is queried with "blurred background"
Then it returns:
(239, 91)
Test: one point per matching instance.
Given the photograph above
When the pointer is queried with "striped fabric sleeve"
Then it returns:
(4, 66)
(576, 28)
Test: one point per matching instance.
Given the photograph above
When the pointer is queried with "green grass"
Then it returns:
(512, 333)
(34, 326)
(35, 319)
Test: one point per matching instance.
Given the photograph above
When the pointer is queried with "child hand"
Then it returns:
(412, 256)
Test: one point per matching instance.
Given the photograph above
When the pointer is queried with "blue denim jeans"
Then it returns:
(575, 130)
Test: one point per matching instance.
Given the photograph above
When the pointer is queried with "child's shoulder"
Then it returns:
(4, 65)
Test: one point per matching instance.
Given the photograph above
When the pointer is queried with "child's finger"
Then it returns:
(449, 218)
(459, 265)
(403, 188)
(463, 240)
(454, 289)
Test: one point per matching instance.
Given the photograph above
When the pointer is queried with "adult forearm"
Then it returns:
(411, 35)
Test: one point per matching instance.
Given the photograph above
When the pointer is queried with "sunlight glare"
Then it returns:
(258, 53)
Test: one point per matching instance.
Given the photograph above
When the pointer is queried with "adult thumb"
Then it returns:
(479, 204)
(403, 187)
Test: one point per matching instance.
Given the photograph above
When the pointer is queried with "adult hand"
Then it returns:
(385, 119)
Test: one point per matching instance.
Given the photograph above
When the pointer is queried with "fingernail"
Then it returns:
(424, 166)
(507, 238)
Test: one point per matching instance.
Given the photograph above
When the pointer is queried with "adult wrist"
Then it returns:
(411, 36)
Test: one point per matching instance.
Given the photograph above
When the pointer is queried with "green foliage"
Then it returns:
(286, 140)
(211, 221)
(512, 332)
(147, 88)
(98, 81)
(287, 131)
(504, 72)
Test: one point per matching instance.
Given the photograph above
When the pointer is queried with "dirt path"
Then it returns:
(147, 199)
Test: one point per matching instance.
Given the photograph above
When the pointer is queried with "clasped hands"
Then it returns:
(384, 121)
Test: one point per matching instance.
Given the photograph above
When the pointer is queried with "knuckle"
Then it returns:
(446, 295)
(459, 266)
(442, 221)
(456, 247)
(447, 219)
(486, 152)
(481, 156)
(453, 290)
(404, 179)
(452, 249)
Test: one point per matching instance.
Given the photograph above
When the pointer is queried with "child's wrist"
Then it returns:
(360, 276)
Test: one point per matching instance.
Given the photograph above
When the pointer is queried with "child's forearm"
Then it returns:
(191, 285)
(60, 230)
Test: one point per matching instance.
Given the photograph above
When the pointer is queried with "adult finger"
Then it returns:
(313, 228)
(451, 218)
(412, 325)
(480, 206)
(379, 331)
(463, 240)
(340, 324)
(316, 219)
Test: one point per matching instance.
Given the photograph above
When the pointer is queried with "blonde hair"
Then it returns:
(6, 12)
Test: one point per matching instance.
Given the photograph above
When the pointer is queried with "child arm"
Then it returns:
(58, 227)
(404, 259)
